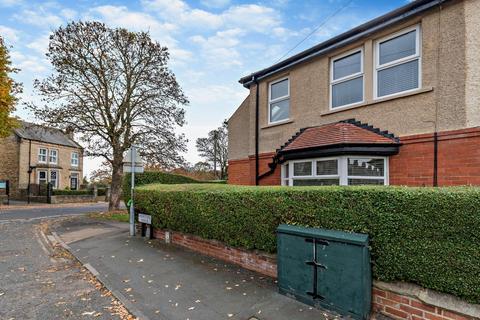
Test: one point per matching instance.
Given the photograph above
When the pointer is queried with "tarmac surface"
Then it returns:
(155, 280)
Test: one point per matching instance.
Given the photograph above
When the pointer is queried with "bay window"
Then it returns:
(398, 63)
(344, 170)
(346, 79)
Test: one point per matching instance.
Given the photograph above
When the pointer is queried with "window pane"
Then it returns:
(279, 89)
(286, 171)
(366, 167)
(316, 182)
(42, 175)
(347, 66)
(358, 182)
(347, 92)
(398, 78)
(302, 168)
(279, 110)
(397, 48)
(327, 167)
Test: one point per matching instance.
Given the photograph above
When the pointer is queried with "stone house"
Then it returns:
(36, 154)
(395, 100)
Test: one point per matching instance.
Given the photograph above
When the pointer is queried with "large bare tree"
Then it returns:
(113, 87)
(214, 148)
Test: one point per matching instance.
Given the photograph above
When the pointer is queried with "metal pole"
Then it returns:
(132, 210)
(215, 154)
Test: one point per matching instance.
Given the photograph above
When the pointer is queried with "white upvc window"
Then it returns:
(53, 158)
(344, 170)
(42, 177)
(42, 155)
(54, 178)
(398, 63)
(74, 159)
(279, 101)
(346, 79)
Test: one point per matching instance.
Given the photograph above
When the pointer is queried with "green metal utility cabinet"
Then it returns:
(325, 268)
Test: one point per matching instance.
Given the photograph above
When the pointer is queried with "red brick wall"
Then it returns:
(458, 162)
(403, 307)
(385, 302)
(242, 171)
(255, 261)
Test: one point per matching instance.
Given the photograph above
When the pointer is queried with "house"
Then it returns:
(393, 101)
(34, 155)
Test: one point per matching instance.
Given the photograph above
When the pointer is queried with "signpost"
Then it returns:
(146, 220)
(132, 162)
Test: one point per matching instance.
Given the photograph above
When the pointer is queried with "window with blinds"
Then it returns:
(346, 79)
(398, 63)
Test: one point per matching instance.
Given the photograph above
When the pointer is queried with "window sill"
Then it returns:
(380, 100)
(271, 125)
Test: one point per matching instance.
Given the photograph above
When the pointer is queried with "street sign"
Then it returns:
(127, 162)
(3, 184)
(144, 218)
(132, 162)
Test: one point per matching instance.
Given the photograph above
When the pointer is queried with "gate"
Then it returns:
(325, 268)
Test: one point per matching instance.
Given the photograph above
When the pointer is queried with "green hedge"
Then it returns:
(421, 235)
(72, 192)
(150, 177)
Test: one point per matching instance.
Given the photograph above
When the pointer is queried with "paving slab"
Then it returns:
(169, 282)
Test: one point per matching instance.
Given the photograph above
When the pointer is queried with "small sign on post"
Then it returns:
(132, 162)
(146, 221)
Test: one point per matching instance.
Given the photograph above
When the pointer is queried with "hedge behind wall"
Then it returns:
(422, 235)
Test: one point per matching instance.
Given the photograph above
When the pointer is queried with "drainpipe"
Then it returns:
(435, 159)
(29, 169)
(257, 111)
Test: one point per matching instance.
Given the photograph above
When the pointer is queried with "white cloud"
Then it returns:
(221, 48)
(120, 16)
(39, 17)
(28, 64)
(215, 3)
(9, 34)
(250, 17)
(68, 14)
(40, 44)
(10, 3)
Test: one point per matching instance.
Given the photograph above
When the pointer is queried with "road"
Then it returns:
(50, 211)
(41, 280)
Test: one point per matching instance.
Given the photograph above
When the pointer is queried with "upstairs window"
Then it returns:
(398, 63)
(279, 101)
(74, 160)
(53, 156)
(42, 155)
(346, 79)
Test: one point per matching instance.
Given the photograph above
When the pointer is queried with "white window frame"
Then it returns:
(347, 78)
(42, 155)
(50, 156)
(342, 162)
(77, 159)
(270, 101)
(57, 180)
(417, 56)
(38, 176)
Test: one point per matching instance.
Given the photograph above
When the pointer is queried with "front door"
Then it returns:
(73, 182)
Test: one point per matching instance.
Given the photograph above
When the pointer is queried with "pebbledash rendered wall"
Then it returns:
(395, 300)
(458, 161)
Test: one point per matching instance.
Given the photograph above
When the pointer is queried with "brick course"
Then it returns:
(388, 303)
(458, 161)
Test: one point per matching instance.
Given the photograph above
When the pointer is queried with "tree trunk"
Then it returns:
(117, 180)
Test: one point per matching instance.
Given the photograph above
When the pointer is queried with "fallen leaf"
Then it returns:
(88, 313)
(191, 308)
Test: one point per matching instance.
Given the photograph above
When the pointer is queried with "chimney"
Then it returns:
(69, 132)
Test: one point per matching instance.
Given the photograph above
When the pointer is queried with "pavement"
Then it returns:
(155, 280)
(39, 211)
(40, 280)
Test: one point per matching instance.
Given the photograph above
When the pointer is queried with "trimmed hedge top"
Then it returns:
(428, 236)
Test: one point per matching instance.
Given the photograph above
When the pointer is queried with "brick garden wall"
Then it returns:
(387, 302)
(458, 162)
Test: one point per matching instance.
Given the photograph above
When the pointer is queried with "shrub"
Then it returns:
(150, 177)
(72, 192)
(421, 235)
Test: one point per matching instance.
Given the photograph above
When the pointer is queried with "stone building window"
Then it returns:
(42, 155)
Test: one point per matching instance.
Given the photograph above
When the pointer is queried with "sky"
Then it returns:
(213, 43)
